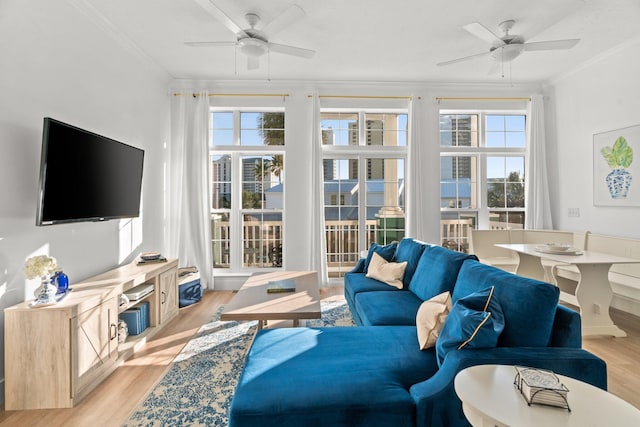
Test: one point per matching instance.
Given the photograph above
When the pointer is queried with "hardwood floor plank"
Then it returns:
(111, 403)
(621, 356)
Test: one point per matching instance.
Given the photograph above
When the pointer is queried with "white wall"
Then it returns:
(602, 95)
(56, 62)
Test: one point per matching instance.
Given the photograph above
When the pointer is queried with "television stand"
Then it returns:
(55, 355)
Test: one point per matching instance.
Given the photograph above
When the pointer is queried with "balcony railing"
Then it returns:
(342, 242)
(455, 234)
(262, 242)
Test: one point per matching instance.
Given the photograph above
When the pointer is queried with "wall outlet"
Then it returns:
(596, 308)
(574, 212)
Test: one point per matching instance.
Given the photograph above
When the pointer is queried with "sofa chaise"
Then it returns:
(377, 374)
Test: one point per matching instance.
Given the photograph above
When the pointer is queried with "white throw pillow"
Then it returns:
(430, 319)
(390, 273)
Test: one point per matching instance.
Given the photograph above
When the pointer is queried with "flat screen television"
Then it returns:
(86, 177)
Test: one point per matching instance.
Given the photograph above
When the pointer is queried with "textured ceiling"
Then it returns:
(370, 40)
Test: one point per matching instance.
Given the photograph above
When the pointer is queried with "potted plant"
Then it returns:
(619, 157)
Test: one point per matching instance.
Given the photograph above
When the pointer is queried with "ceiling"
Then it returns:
(370, 40)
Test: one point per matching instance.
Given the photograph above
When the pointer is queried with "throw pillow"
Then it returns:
(409, 250)
(437, 271)
(528, 305)
(430, 319)
(387, 252)
(475, 321)
(390, 273)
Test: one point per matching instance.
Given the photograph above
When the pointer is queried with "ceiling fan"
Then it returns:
(254, 41)
(509, 46)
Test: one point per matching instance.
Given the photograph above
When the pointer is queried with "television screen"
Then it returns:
(86, 177)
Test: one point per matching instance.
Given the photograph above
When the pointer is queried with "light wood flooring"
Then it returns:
(111, 403)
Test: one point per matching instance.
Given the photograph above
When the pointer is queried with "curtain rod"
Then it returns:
(362, 97)
(234, 94)
(481, 99)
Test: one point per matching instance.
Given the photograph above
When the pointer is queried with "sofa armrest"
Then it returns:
(359, 268)
(438, 405)
(567, 328)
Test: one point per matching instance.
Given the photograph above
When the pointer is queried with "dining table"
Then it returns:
(593, 291)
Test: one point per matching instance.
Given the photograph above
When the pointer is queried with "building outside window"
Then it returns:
(482, 159)
(247, 170)
(362, 150)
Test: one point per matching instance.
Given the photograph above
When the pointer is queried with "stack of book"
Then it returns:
(539, 386)
(150, 258)
(137, 318)
(278, 286)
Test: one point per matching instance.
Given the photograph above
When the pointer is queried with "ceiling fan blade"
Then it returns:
(465, 58)
(283, 20)
(291, 50)
(483, 33)
(253, 62)
(551, 45)
(208, 44)
(221, 17)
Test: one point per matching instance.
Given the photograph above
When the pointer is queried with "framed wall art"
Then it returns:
(616, 171)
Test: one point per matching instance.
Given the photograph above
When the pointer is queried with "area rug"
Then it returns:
(198, 387)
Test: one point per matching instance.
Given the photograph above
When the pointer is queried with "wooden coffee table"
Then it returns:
(252, 302)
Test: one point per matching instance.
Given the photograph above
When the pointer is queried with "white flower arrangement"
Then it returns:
(40, 265)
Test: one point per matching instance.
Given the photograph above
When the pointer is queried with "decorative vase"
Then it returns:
(46, 292)
(62, 282)
(618, 182)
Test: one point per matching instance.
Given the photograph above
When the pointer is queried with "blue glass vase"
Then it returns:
(62, 281)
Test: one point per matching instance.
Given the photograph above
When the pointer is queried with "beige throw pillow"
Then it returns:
(390, 273)
(430, 319)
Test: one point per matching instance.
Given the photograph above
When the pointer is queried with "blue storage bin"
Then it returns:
(189, 290)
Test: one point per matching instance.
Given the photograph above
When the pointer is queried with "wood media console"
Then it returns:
(55, 355)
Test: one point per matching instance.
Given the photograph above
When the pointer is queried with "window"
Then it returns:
(363, 150)
(482, 159)
(247, 162)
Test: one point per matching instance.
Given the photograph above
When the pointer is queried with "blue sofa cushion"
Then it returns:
(529, 305)
(475, 321)
(387, 252)
(437, 271)
(387, 308)
(354, 283)
(409, 250)
(337, 376)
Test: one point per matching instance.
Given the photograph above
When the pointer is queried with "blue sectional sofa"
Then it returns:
(375, 374)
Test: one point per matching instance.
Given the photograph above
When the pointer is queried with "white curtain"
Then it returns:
(318, 243)
(538, 209)
(417, 194)
(189, 228)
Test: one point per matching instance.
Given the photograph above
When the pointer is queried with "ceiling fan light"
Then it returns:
(507, 53)
(252, 46)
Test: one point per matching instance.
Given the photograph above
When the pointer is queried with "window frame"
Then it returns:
(237, 211)
(482, 152)
(362, 153)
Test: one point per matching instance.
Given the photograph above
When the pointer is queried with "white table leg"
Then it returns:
(594, 295)
(530, 266)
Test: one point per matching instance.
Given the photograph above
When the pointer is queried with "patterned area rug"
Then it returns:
(198, 387)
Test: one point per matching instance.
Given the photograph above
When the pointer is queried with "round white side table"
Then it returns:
(490, 398)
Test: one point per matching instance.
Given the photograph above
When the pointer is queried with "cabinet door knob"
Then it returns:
(163, 297)
(113, 331)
